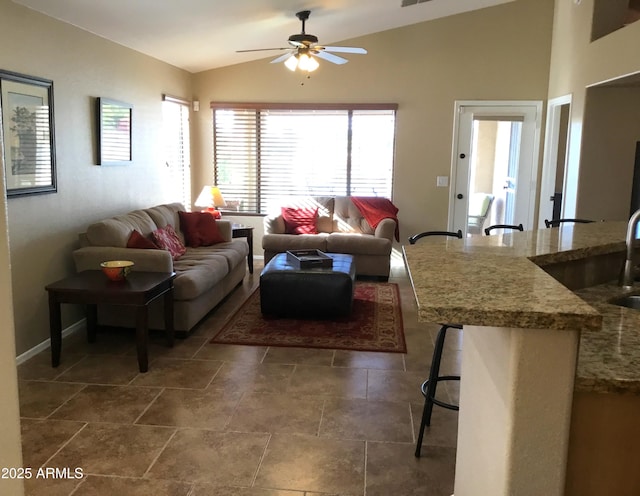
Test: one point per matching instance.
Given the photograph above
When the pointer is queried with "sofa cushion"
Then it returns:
(347, 217)
(324, 204)
(117, 230)
(299, 220)
(358, 244)
(199, 229)
(167, 214)
(234, 252)
(137, 240)
(197, 273)
(167, 239)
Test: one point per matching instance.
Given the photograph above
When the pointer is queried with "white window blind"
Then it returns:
(262, 153)
(175, 120)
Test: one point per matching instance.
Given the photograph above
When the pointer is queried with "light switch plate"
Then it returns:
(442, 181)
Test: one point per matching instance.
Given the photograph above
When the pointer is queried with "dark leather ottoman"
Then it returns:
(287, 291)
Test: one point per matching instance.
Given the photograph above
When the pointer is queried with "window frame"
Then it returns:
(185, 139)
(265, 106)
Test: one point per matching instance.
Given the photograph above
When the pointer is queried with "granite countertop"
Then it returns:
(497, 281)
(609, 359)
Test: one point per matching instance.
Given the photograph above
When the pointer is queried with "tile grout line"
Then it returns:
(153, 462)
(162, 390)
(262, 457)
(366, 459)
(66, 443)
(84, 386)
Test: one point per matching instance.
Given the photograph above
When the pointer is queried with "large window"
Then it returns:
(262, 153)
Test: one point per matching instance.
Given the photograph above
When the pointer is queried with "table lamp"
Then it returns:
(210, 197)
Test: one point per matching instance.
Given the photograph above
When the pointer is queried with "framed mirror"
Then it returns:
(114, 131)
(26, 108)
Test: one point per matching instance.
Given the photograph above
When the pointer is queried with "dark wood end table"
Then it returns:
(242, 231)
(92, 287)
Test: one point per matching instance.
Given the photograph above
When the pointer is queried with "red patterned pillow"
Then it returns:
(137, 240)
(167, 239)
(200, 229)
(300, 220)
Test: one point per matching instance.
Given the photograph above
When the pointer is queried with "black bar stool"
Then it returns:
(557, 222)
(430, 386)
(488, 230)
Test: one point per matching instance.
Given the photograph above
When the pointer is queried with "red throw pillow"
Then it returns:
(300, 220)
(137, 240)
(167, 239)
(200, 229)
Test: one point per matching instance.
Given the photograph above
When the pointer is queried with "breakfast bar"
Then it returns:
(539, 334)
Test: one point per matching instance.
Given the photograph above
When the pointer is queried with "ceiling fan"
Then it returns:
(304, 48)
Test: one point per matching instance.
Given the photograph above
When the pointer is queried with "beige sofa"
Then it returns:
(205, 275)
(341, 229)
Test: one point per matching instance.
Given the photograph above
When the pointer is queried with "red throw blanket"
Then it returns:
(374, 209)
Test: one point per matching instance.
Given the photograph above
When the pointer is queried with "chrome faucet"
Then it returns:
(627, 275)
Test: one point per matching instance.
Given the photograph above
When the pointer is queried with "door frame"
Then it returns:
(535, 152)
(550, 157)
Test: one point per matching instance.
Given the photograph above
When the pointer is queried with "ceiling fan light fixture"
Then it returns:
(292, 62)
(307, 63)
(303, 49)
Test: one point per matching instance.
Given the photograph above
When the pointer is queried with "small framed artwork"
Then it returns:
(26, 108)
(114, 131)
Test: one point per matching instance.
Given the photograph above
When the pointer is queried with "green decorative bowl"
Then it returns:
(117, 270)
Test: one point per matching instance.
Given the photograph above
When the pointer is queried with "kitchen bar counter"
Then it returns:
(538, 331)
(498, 281)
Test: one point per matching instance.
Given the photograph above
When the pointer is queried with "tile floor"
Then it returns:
(238, 421)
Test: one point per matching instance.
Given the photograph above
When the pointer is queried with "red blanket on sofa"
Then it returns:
(374, 209)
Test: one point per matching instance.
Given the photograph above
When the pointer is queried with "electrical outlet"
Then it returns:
(442, 181)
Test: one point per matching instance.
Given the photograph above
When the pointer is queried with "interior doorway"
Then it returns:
(554, 169)
(494, 166)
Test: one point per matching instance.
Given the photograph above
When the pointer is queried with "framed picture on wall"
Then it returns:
(26, 108)
(114, 131)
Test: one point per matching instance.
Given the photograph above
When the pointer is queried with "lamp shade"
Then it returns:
(210, 196)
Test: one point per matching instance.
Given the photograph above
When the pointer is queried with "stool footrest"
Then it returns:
(425, 385)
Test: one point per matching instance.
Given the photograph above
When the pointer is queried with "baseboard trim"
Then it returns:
(72, 329)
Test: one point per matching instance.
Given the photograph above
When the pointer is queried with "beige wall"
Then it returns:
(611, 130)
(43, 229)
(576, 64)
(496, 53)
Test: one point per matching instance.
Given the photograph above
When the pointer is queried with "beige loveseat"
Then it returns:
(205, 275)
(341, 228)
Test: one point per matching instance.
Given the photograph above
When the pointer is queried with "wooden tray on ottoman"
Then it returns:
(308, 259)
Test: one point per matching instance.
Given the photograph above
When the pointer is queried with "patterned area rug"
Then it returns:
(375, 324)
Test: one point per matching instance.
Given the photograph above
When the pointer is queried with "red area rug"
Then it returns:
(375, 324)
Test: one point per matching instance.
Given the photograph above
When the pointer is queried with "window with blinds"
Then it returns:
(175, 121)
(263, 153)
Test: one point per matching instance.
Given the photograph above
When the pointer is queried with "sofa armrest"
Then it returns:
(90, 257)
(386, 228)
(274, 224)
(224, 226)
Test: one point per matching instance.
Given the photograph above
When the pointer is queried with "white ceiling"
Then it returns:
(198, 35)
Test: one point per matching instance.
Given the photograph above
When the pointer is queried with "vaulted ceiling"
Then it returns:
(198, 35)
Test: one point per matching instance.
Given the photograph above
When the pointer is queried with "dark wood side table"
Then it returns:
(242, 231)
(92, 287)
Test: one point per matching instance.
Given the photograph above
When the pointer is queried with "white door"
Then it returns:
(495, 161)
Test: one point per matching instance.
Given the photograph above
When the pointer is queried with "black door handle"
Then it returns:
(459, 196)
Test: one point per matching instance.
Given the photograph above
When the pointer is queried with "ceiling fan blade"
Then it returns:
(329, 57)
(282, 58)
(339, 49)
(262, 49)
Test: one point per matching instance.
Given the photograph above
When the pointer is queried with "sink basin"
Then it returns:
(629, 301)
